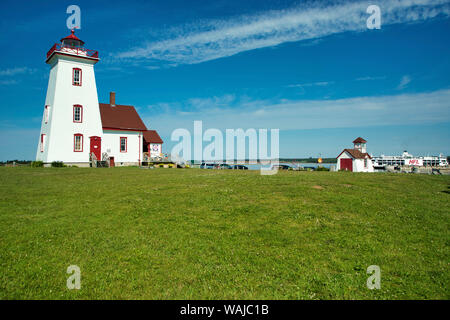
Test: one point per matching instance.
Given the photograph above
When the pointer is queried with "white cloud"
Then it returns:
(222, 38)
(369, 78)
(284, 114)
(8, 82)
(404, 82)
(16, 71)
(311, 84)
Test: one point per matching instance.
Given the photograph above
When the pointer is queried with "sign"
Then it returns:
(414, 162)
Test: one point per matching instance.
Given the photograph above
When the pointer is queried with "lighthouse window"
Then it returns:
(46, 114)
(76, 77)
(78, 143)
(123, 144)
(42, 142)
(77, 113)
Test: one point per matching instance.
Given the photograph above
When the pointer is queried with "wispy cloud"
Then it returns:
(16, 71)
(404, 82)
(193, 105)
(311, 84)
(369, 78)
(8, 82)
(222, 38)
(285, 114)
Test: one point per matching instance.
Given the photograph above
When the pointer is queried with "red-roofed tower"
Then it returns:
(71, 121)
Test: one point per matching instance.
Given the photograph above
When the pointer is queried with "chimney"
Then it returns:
(112, 99)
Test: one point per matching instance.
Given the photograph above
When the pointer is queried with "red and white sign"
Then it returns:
(414, 162)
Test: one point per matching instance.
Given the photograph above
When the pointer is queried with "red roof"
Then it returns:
(72, 36)
(359, 140)
(356, 154)
(151, 136)
(121, 118)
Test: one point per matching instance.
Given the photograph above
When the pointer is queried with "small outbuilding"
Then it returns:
(356, 159)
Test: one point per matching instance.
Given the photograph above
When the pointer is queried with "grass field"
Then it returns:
(222, 234)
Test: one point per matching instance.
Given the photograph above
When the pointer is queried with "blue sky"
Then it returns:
(310, 68)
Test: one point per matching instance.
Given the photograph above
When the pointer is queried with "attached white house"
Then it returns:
(75, 127)
(356, 159)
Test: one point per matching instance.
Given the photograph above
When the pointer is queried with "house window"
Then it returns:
(77, 113)
(42, 142)
(123, 144)
(46, 112)
(365, 163)
(76, 77)
(78, 142)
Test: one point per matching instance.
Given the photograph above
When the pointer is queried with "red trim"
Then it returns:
(81, 113)
(353, 157)
(42, 142)
(120, 144)
(81, 142)
(70, 55)
(140, 149)
(80, 76)
(118, 129)
(58, 47)
(342, 153)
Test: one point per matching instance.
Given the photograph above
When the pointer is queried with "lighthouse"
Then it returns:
(71, 123)
(78, 130)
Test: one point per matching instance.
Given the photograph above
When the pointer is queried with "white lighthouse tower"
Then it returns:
(71, 126)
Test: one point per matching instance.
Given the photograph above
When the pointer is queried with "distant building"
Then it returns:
(76, 127)
(356, 159)
(407, 159)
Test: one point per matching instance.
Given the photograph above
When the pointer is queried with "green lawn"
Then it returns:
(222, 234)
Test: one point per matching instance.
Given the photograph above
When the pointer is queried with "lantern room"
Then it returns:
(72, 45)
(72, 41)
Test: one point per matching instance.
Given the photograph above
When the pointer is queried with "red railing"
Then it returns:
(72, 50)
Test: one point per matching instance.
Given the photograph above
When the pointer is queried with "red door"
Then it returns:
(347, 164)
(111, 162)
(96, 147)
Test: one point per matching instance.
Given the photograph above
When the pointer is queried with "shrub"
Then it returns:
(322, 169)
(37, 164)
(170, 165)
(57, 164)
(161, 165)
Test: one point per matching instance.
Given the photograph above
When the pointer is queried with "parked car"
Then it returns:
(207, 165)
(281, 167)
(240, 167)
(224, 166)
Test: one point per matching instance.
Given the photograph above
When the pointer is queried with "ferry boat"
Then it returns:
(407, 159)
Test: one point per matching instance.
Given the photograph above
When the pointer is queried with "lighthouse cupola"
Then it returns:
(71, 46)
(72, 41)
(360, 144)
